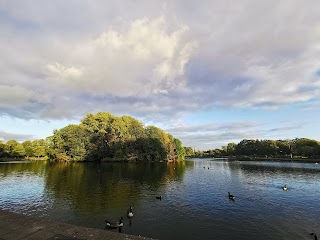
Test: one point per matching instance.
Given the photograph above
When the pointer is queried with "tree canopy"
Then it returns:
(105, 137)
(298, 147)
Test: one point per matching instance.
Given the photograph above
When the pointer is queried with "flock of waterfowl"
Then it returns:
(284, 188)
(119, 224)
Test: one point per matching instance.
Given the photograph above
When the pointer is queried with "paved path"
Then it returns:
(17, 226)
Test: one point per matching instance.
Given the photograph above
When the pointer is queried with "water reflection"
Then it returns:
(194, 202)
(94, 187)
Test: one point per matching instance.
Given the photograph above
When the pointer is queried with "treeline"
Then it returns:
(295, 148)
(101, 137)
(29, 149)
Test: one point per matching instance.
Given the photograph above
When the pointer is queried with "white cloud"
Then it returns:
(215, 135)
(62, 59)
(14, 96)
(140, 59)
(64, 72)
(5, 136)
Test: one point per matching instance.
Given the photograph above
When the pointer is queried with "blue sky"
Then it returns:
(209, 72)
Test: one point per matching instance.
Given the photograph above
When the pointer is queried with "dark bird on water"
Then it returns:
(130, 213)
(159, 197)
(231, 197)
(115, 224)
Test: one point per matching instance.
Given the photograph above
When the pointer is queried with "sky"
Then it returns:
(209, 72)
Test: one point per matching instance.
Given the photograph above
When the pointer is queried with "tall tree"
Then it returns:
(28, 147)
(70, 142)
(2, 149)
(14, 148)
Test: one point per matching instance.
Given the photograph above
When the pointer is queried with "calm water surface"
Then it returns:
(194, 203)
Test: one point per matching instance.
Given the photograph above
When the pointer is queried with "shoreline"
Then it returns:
(19, 226)
(258, 159)
(261, 159)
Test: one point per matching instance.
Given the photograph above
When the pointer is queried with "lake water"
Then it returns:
(194, 203)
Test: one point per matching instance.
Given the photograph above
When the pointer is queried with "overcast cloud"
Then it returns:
(154, 59)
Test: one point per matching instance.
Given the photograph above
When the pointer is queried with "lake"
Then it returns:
(194, 202)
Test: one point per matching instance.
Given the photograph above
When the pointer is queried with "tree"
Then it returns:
(2, 149)
(284, 148)
(231, 148)
(305, 147)
(102, 136)
(28, 147)
(39, 148)
(69, 143)
(14, 149)
(180, 152)
(189, 151)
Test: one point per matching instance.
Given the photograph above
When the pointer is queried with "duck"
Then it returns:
(285, 188)
(130, 213)
(231, 197)
(115, 224)
(159, 197)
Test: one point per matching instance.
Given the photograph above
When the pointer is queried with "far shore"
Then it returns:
(301, 160)
(242, 158)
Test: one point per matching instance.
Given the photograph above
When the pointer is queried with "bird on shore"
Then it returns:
(115, 224)
(285, 188)
(231, 197)
(159, 197)
(130, 213)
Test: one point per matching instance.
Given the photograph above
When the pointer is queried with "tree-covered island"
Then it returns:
(105, 137)
(101, 137)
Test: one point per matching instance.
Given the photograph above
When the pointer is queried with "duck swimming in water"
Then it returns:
(115, 224)
(285, 188)
(231, 197)
(159, 197)
(130, 213)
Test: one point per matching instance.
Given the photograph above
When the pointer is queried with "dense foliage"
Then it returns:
(29, 149)
(104, 137)
(299, 148)
(101, 137)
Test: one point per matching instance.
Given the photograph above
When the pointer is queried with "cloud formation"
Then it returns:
(210, 136)
(5, 136)
(63, 59)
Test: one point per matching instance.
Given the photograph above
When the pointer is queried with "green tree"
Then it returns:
(283, 147)
(103, 136)
(14, 149)
(2, 149)
(231, 148)
(39, 148)
(189, 151)
(28, 147)
(180, 151)
(69, 143)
